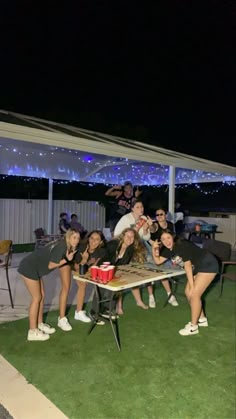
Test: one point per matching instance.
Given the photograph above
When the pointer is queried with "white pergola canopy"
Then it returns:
(38, 148)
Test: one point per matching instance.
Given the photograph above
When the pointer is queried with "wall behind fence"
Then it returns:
(20, 217)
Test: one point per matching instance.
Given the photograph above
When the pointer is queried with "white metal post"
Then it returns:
(171, 201)
(50, 205)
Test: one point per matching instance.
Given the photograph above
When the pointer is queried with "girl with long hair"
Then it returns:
(122, 250)
(162, 224)
(58, 254)
(90, 253)
(200, 267)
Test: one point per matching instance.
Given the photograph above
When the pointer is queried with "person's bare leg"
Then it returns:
(34, 289)
(138, 299)
(166, 285)
(80, 295)
(150, 290)
(187, 293)
(201, 283)
(41, 305)
(65, 274)
(119, 308)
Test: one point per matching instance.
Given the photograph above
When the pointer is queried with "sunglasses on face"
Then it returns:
(159, 213)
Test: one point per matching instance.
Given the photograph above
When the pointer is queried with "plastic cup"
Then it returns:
(83, 269)
(106, 263)
(141, 222)
(94, 272)
(111, 272)
(104, 275)
(99, 273)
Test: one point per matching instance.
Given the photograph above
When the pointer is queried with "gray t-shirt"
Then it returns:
(35, 265)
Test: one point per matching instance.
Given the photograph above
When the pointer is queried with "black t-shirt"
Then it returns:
(99, 253)
(183, 251)
(112, 251)
(65, 224)
(158, 233)
(122, 206)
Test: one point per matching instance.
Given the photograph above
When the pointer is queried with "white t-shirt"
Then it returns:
(127, 221)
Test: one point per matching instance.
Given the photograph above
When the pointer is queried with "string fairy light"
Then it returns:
(55, 162)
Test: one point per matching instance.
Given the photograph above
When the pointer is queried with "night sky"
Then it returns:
(164, 73)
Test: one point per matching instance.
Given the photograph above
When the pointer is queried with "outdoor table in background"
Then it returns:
(126, 277)
(203, 234)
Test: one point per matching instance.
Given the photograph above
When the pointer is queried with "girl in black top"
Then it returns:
(161, 224)
(125, 248)
(200, 267)
(58, 254)
(90, 253)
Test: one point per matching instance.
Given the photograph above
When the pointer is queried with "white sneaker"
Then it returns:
(64, 324)
(36, 334)
(203, 322)
(172, 300)
(82, 316)
(188, 330)
(109, 315)
(100, 322)
(152, 302)
(44, 327)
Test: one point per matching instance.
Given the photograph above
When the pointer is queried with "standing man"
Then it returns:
(124, 197)
(63, 223)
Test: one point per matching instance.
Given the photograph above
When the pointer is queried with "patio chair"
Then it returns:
(41, 238)
(222, 250)
(5, 262)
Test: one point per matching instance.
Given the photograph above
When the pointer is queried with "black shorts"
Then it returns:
(209, 264)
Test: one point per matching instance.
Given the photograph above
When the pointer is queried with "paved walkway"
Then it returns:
(21, 399)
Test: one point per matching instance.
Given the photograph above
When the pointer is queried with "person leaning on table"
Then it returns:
(58, 254)
(121, 251)
(200, 267)
(89, 253)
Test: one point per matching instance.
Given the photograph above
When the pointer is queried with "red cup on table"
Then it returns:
(104, 275)
(99, 273)
(94, 272)
(111, 272)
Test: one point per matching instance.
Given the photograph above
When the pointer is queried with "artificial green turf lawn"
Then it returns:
(158, 373)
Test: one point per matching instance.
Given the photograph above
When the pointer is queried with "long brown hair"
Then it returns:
(138, 246)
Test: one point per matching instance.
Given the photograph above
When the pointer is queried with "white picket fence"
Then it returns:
(20, 217)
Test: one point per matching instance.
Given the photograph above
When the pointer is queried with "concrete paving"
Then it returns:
(21, 297)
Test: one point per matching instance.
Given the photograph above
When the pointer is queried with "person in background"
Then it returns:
(124, 196)
(143, 225)
(121, 251)
(161, 224)
(179, 219)
(200, 267)
(41, 262)
(90, 253)
(75, 225)
(63, 223)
